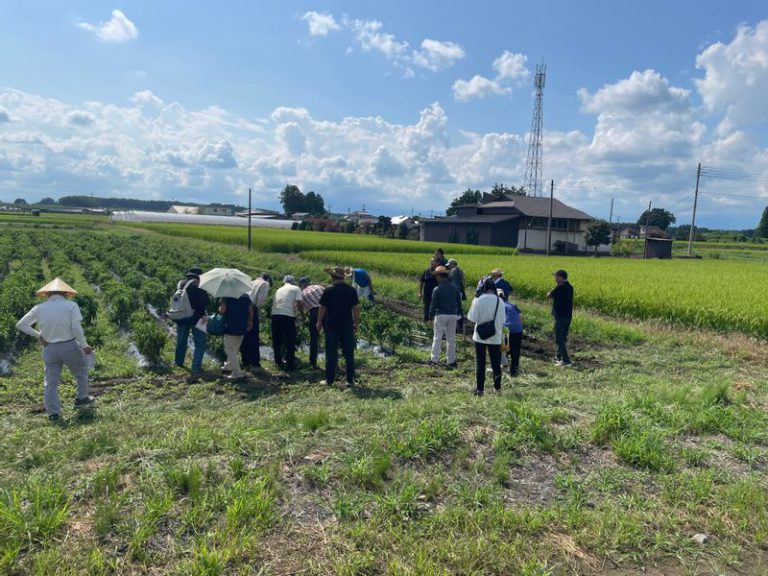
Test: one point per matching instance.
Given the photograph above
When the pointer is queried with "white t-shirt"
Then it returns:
(481, 311)
(284, 302)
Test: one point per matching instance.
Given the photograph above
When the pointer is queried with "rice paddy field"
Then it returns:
(649, 457)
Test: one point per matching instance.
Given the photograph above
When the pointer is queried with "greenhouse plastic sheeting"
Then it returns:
(140, 216)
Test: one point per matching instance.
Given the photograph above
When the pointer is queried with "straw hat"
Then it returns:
(348, 271)
(440, 270)
(497, 272)
(336, 271)
(57, 285)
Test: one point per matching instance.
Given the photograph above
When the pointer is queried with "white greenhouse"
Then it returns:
(142, 216)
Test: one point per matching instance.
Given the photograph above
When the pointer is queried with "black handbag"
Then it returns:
(488, 329)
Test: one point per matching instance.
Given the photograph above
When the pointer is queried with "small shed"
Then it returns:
(658, 248)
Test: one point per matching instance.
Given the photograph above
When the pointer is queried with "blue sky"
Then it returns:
(396, 105)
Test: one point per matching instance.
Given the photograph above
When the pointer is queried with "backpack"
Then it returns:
(180, 307)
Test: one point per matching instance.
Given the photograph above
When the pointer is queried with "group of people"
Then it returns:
(498, 322)
(333, 309)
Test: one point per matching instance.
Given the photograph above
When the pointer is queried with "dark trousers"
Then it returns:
(332, 340)
(427, 304)
(249, 349)
(494, 351)
(562, 326)
(515, 343)
(314, 336)
(284, 339)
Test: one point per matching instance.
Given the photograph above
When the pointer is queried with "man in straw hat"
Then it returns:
(61, 335)
(445, 308)
(340, 315)
(498, 279)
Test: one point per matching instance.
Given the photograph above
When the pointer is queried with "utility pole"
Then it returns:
(693, 218)
(610, 218)
(249, 219)
(549, 220)
(645, 236)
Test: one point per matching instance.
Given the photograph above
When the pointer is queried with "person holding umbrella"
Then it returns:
(61, 335)
(233, 287)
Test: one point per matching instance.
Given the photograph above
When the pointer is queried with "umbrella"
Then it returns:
(225, 283)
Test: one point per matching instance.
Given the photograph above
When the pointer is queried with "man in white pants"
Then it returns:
(63, 341)
(445, 308)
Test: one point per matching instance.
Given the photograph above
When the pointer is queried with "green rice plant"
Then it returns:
(641, 289)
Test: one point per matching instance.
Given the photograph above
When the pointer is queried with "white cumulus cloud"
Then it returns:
(735, 79)
(510, 72)
(118, 29)
(511, 66)
(146, 97)
(477, 87)
(435, 55)
(641, 92)
(320, 24)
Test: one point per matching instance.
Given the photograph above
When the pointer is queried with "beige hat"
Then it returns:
(336, 271)
(440, 270)
(497, 272)
(348, 271)
(57, 285)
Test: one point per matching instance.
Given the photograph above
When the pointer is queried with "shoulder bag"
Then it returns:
(487, 330)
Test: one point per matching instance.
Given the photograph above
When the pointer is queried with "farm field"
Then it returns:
(659, 434)
(714, 294)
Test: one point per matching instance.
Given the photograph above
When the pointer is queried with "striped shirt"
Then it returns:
(311, 296)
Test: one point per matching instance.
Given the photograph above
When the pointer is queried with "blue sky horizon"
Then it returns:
(395, 106)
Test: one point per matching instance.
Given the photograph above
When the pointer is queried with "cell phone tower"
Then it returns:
(532, 180)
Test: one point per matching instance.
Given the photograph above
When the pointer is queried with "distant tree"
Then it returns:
(402, 231)
(762, 229)
(658, 217)
(47, 200)
(468, 197)
(20, 202)
(500, 190)
(314, 204)
(292, 199)
(598, 232)
(683, 232)
(383, 225)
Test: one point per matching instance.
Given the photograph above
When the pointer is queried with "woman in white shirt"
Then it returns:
(61, 335)
(487, 308)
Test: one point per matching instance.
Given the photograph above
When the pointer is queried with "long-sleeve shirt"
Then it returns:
(311, 296)
(57, 320)
(446, 300)
(456, 276)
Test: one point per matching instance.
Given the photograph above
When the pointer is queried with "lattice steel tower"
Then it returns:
(532, 181)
